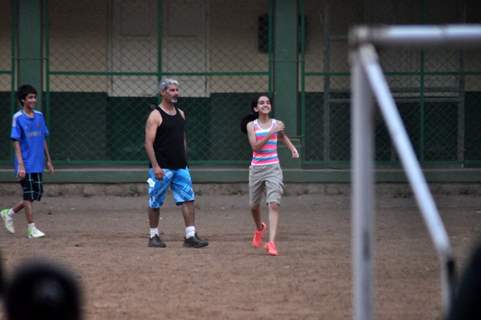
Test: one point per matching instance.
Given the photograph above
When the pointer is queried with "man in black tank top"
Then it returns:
(165, 148)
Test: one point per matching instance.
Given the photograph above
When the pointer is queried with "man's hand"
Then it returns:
(158, 172)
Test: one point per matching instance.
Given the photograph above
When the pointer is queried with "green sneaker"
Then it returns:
(7, 216)
(33, 233)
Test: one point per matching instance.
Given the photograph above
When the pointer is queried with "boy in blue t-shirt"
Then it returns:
(28, 135)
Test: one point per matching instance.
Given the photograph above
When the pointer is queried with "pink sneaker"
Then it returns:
(258, 235)
(271, 248)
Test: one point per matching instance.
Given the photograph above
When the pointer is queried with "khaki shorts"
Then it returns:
(265, 180)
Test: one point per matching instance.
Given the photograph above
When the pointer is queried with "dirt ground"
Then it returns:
(104, 241)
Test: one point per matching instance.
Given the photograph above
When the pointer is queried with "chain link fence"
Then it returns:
(437, 91)
(105, 63)
(6, 72)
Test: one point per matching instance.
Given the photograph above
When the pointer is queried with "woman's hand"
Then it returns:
(278, 127)
(295, 154)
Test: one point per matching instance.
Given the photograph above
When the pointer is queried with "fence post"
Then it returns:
(29, 19)
(286, 73)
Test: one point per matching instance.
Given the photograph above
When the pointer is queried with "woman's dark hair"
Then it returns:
(24, 91)
(253, 115)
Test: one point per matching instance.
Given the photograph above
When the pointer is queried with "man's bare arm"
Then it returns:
(153, 122)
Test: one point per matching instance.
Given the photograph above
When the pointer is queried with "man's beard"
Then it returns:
(173, 100)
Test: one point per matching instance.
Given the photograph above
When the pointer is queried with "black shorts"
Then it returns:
(32, 186)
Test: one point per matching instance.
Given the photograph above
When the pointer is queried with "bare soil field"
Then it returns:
(103, 240)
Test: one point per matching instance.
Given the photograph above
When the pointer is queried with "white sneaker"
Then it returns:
(7, 216)
(33, 232)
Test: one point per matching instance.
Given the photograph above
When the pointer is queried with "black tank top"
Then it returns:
(169, 145)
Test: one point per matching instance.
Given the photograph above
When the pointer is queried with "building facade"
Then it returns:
(98, 64)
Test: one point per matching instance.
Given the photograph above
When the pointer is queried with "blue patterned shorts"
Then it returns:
(179, 181)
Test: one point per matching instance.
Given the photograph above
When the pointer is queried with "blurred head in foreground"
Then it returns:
(41, 290)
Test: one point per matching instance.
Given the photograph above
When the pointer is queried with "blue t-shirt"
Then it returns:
(30, 132)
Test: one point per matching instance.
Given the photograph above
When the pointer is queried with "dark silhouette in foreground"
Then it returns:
(42, 290)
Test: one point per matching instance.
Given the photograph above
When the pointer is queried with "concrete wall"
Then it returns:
(393, 190)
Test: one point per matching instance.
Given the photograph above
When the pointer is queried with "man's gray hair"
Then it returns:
(165, 83)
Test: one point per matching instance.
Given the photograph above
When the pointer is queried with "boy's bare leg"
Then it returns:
(27, 204)
(19, 206)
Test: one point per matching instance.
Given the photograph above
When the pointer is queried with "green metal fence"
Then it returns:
(7, 71)
(105, 64)
(438, 92)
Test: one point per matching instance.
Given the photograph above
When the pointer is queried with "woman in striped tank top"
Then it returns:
(265, 173)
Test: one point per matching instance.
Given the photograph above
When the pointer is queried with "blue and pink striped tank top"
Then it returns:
(268, 153)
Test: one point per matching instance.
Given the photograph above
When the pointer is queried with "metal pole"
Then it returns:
(435, 226)
(362, 140)
(420, 35)
(326, 112)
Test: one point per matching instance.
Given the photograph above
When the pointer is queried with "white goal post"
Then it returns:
(368, 84)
